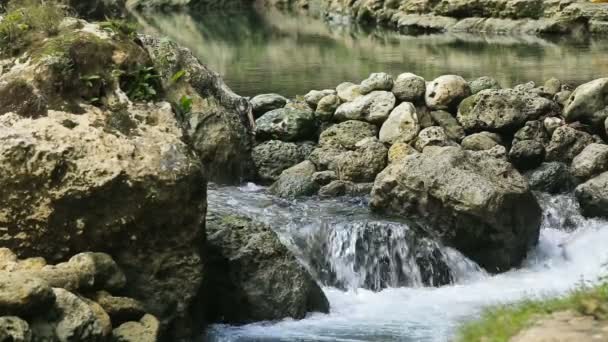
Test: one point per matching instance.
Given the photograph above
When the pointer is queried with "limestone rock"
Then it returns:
(286, 124)
(532, 130)
(120, 309)
(432, 136)
(263, 103)
(588, 103)
(314, 96)
(272, 157)
(339, 188)
(449, 124)
(377, 81)
(483, 83)
(373, 107)
(527, 154)
(409, 87)
(551, 124)
(324, 177)
(553, 178)
(446, 92)
(23, 294)
(399, 151)
(347, 134)
(566, 143)
(348, 91)
(362, 164)
(592, 161)
(327, 107)
(14, 329)
(402, 124)
(593, 196)
(146, 330)
(295, 181)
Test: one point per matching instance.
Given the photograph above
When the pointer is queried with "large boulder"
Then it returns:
(373, 107)
(478, 204)
(402, 124)
(286, 124)
(446, 92)
(592, 161)
(503, 110)
(23, 294)
(296, 181)
(589, 103)
(272, 157)
(253, 276)
(593, 196)
(566, 143)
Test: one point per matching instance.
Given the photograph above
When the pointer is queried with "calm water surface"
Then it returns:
(260, 51)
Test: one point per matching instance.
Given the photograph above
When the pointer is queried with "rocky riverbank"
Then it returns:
(538, 17)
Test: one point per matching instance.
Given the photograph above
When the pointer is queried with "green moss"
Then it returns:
(500, 324)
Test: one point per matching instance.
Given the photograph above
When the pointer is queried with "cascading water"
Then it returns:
(376, 272)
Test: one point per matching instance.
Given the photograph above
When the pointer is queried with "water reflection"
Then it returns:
(260, 51)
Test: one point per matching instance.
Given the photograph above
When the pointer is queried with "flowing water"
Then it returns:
(571, 251)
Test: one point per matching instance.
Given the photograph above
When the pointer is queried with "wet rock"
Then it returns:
(347, 134)
(551, 124)
(527, 154)
(327, 107)
(373, 107)
(253, 277)
(592, 161)
(377, 81)
(146, 330)
(483, 83)
(296, 181)
(464, 195)
(553, 177)
(593, 196)
(446, 92)
(362, 164)
(348, 91)
(339, 188)
(432, 136)
(14, 329)
(120, 309)
(263, 103)
(286, 124)
(401, 125)
(409, 87)
(272, 157)
(504, 110)
(399, 151)
(22, 294)
(449, 124)
(566, 143)
(588, 103)
(481, 141)
(324, 177)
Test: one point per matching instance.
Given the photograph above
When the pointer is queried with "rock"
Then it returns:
(348, 92)
(146, 330)
(566, 143)
(432, 136)
(373, 107)
(263, 103)
(327, 107)
(339, 188)
(527, 154)
(253, 277)
(298, 104)
(553, 177)
(14, 329)
(362, 164)
(504, 110)
(588, 103)
(377, 81)
(552, 86)
(483, 83)
(401, 125)
(532, 130)
(449, 124)
(592, 161)
(347, 134)
(314, 96)
(562, 97)
(593, 196)
(285, 124)
(295, 181)
(272, 157)
(22, 294)
(446, 92)
(464, 196)
(409, 88)
(120, 309)
(551, 124)
(498, 151)
(324, 177)
(424, 117)
(399, 151)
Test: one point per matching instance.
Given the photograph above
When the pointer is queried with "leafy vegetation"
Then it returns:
(141, 84)
(120, 27)
(501, 323)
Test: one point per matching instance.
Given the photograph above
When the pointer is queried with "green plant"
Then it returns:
(177, 76)
(185, 104)
(120, 27)
(140, 84)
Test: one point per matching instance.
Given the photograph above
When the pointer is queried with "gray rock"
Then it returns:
(562, 97)
(431, 136)
(23, 294)
(272, 157)
(481, 206)
(263, 103)
(402, 124)
(14, 329)
(593, 196)
(532, 130)
(449, 124)
(362, 164)
(348, 91)
(446, 92)
(409, 87)
(339, 188)
(399, 151)
(286, 124)
(592, 161)
(377, 81)
(347, 134)
(120, 309)
(253, 276)
(566, 143)
(553, 177)
(552, 86)
(373, 107)
(327, 107)
(296, 181)
(481, 141)
(483, 83)
(324, 177)
(551, 124)
(587, 103)
(146, 330)
(314, 96)
(527, 154)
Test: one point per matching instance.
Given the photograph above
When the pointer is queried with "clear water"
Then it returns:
(269, 51)
(571, 250)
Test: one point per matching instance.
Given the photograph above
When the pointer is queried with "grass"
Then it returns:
(499, 324)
